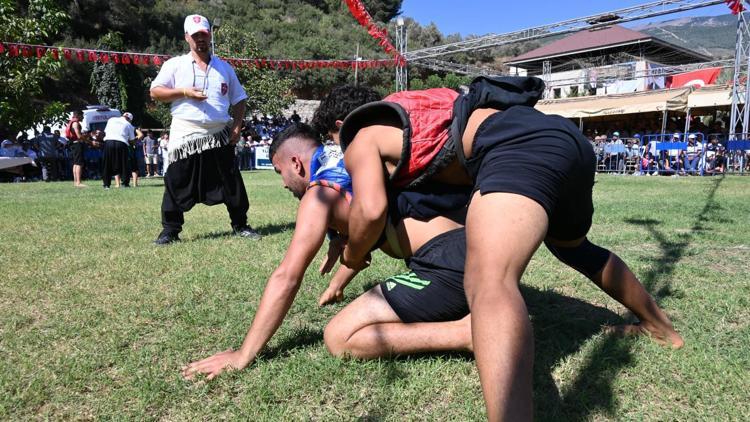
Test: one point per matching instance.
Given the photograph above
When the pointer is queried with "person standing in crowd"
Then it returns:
(151, 154)
(48, 147)
(117, 134)
(201, 88)
(164, 153)
(134, 147)
(74, 133)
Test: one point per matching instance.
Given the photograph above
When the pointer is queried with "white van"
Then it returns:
(96, 116)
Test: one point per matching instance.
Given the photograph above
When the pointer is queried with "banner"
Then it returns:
(696, 78)
(145, 59)
(358, 11)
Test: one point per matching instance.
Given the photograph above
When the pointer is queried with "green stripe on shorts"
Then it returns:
(409, 279)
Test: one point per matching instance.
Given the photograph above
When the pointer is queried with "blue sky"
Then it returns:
(480, 17)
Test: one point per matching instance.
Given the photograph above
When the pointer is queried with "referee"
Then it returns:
(202, 90)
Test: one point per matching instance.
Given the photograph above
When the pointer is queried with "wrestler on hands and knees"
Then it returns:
(424, 310)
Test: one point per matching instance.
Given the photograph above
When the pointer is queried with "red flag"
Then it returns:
(125, 59)
(79, 56)
(2, 48)
(104, 58)
(12, 50)
(157, 61)
(40, 52)
(145, 60)
(26, 51)
(696, 78)
(136, 59)
(92, 56)
(67, 54)
(56, 54)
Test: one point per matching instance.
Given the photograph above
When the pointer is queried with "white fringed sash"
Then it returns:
(187, 138)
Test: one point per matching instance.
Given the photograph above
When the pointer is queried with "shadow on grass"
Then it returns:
(301, 338)
(591, 391)
(263, 230)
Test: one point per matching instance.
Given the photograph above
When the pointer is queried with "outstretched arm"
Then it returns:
(281, 289)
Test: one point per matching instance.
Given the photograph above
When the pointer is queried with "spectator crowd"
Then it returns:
(51, 156)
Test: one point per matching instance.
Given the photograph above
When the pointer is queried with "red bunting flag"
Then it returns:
(13, 50)
(67, 54)
(735, 6)
(125, 59)
(56, 54)
(104, 58)
(2, 48)
(92, 56)
(157, 61)
(79, 55)
(40, 52)
(26, 51)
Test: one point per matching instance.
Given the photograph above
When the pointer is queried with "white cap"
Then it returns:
(196, 23)
(676, 135)
(128, 115)
(616, 134)
(691, 136)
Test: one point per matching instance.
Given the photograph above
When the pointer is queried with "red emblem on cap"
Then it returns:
(224, 89)
(197, 19)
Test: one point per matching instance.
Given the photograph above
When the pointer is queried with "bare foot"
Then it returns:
(665, 336)
(80, 185)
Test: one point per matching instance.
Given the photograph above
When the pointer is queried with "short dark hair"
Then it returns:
(296, 130)
(339, 103)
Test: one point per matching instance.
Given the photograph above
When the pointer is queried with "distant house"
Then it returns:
(601, 61)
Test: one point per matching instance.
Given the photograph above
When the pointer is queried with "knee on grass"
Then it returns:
(336, 340)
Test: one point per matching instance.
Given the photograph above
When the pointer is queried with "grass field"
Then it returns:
(95, 321)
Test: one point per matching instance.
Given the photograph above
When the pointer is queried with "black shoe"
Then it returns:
(246, 231)
(166, 238)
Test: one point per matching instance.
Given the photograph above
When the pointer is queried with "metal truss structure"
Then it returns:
(628, 14)
(741, 82)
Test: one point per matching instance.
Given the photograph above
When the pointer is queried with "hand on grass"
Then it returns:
(213, 366)
(330, 296)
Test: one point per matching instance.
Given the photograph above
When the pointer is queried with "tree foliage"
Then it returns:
(21, 77)
(107, 81)
(267, 91)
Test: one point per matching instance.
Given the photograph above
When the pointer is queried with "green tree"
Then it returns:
(21, 104)
(107, 81)
(267, 92)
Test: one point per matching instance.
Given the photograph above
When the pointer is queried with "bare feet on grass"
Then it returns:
(663, 334)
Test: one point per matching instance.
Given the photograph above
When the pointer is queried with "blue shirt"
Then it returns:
(327, 169)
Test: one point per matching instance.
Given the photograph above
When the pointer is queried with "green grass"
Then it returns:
(95, 321)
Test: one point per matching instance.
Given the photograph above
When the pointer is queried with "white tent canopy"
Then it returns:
(638, 102)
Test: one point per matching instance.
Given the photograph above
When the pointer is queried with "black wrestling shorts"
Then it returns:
(77, 150)
(433, 290)
(545, 158)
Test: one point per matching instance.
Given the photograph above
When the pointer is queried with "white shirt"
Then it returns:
(219, 81)
(119, 129)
